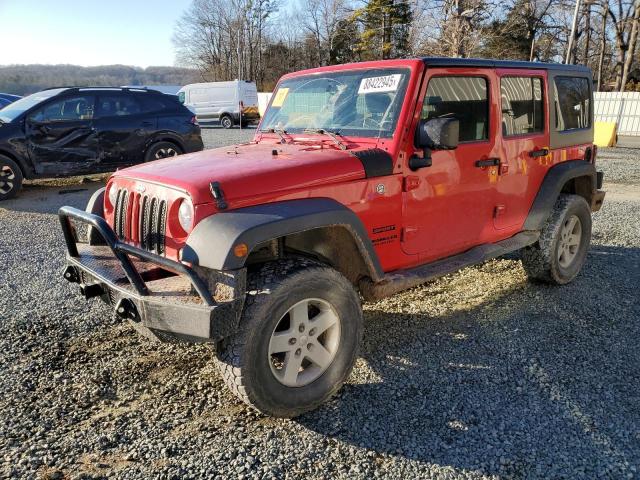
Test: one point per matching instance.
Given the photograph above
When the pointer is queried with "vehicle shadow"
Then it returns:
(534, 378)
(48, 197)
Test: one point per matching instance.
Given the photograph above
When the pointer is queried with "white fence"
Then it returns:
(621, 108)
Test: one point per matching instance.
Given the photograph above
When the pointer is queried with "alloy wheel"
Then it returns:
(165, 153)
(304, 342)
(569, 242)
(7, 177)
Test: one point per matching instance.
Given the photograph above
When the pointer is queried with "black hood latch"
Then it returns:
(216, 191)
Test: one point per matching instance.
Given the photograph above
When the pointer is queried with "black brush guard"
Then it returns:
(161, 317)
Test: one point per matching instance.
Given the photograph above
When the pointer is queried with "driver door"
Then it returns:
(60, 136)
(448, 206)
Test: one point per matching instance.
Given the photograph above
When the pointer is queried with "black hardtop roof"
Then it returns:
(488, 63)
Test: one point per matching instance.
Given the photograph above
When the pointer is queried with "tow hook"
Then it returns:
(127, 310)
(71, 274)
(90, 291)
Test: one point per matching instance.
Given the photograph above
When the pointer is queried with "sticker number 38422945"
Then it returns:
(386, 83)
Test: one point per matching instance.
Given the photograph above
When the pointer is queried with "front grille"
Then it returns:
(140, 219)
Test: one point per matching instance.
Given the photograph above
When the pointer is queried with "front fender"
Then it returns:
(211, 242)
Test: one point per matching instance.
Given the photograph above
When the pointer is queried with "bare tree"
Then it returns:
(321, 19)
(223, 39)
(620, 12)
(633, 39)
(462, 26)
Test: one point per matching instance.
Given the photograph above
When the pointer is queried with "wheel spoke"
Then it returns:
(280, 342)
(571, 224)
(292, 364)
(573, 240)
(319, 355)
(299, 314)
(323, 321)
(561, 257)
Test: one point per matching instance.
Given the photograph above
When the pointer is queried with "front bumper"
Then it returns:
(163, 299)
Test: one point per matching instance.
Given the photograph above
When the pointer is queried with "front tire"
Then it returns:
(10, 178)
(298, 338)
(560, 252)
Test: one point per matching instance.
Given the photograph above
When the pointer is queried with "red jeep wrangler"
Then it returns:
(362, 180)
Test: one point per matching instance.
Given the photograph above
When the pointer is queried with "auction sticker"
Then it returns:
(281, 94)
(387, 83)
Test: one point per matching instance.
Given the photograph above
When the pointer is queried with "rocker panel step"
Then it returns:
(399, 280)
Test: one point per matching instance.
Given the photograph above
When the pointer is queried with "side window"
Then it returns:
(114, 105)
(69, 109)
(464, 98)
(522, 107)
(151, 104)
(181, 97)
(573, 103)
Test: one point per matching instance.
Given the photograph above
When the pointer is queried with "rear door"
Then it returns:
(525, 145)
(448, 206)
(61, 139)
(123, 126)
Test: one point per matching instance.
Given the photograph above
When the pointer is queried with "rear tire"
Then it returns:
(226, 121)
(161, 150)
(10, 178)
(560, 252)
(298, 338)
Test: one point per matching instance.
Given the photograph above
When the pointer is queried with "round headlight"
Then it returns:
(185, 215)
(113, 195)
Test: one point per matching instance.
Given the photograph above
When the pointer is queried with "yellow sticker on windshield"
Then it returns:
(281, 94)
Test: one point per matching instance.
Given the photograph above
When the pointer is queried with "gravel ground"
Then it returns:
(477, 375)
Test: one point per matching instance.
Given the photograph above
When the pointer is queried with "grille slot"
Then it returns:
(141, 219)
(120, 219)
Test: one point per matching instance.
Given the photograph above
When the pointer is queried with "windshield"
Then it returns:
(363, 103)
(15, 109)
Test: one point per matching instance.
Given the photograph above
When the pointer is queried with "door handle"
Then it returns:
(543, 152)
(489, 162)
(146, 124)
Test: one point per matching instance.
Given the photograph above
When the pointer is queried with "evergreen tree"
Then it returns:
(385, 29)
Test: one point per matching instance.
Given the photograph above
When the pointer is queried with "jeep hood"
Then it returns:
(250, 170)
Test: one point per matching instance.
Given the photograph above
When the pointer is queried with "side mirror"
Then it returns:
(438, 133)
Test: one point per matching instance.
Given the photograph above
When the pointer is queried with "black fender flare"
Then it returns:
(550, 189)
(211, 242)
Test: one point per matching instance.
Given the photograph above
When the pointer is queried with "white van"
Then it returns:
(222, 102)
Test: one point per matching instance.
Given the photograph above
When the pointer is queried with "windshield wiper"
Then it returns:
(279, 131)
(333, 135)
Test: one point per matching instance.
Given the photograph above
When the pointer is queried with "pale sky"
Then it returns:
(89, 32)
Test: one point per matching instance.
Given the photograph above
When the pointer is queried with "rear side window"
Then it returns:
(181, 97)
(155, 103)
(464, 98)
(522, 107)
(115, 105)
(573, 103)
